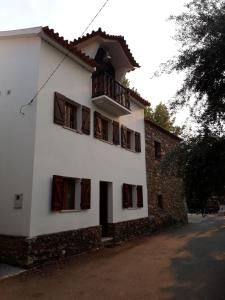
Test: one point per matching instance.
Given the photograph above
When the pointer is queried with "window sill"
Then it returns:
(74, 130)
(131, 150)
(133, 208)
(70, 210)
(107, 142)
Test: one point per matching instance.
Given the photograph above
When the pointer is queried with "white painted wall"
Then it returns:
(19, 64)
(63, 152)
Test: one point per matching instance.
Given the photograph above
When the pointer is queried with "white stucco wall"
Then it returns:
(19, 64)
(63, 152)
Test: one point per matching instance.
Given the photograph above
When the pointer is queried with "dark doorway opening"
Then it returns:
(104, 207)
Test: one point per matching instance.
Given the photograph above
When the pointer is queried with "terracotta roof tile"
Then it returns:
(138, 97)
(64, 43)
(104, 35)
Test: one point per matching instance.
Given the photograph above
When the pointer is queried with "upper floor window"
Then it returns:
(130, 139)
(106, 129)
(158, 150)
(71, 114)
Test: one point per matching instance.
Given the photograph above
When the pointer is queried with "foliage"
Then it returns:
(200, 162)
(163, 118)
(201, 34)
(126, 83)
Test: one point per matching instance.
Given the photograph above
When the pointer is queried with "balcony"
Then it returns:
(110, 95)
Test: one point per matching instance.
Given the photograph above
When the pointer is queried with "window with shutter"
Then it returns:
(137, 142)
(105, 129)
(57, 193)
(97, 125)
(68, 194)
(125, 195)
(132, 196)
(123, 137)
(85, 194)
(139, 196)
(70, 116)
(86, 120)
(116, 133)
(59, 109)
(128, 139)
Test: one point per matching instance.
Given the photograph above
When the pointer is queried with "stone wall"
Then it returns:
(27, 252)
(126, 230)
(169, 187)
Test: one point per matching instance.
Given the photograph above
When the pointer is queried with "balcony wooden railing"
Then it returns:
(104, 84)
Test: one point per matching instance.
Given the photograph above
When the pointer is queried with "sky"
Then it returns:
(144, 24)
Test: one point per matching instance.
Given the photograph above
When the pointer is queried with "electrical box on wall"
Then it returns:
(18, 201)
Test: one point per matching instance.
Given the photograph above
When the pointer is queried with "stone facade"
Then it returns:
(165, 194)
(28, 252)
(126, 230)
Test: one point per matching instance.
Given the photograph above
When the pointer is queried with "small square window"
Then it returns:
(160, 201)
(158, 150)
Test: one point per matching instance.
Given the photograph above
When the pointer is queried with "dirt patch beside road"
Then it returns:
(183, 263)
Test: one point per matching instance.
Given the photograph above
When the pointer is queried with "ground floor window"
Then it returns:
(70, 193)
(132, 196)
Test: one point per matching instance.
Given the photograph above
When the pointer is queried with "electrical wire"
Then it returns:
(95, 17)
(60, 63)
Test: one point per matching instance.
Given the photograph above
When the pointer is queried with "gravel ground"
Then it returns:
(185, 263)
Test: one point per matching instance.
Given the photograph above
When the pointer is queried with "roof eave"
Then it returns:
(27, 32)
(65, 51)
(104, 35)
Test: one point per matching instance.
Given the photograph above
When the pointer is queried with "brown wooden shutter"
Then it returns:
(57, 193)
(86, 120)
(116, 133)
(139, 196)
(123, 137)
(85, 194)
(59, 109)
(137, 142)
(97, 125)
(125, 195)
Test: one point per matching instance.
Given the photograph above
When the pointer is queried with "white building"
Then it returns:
(72, 162)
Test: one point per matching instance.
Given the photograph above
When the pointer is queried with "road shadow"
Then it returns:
(199, 265)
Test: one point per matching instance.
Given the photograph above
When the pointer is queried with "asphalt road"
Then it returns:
(182, 263)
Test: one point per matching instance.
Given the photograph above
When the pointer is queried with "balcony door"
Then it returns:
(104, 65)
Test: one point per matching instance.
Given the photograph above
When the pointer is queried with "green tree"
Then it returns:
(199, 161)
(162, 117)
(201, 34)
(126, 83)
